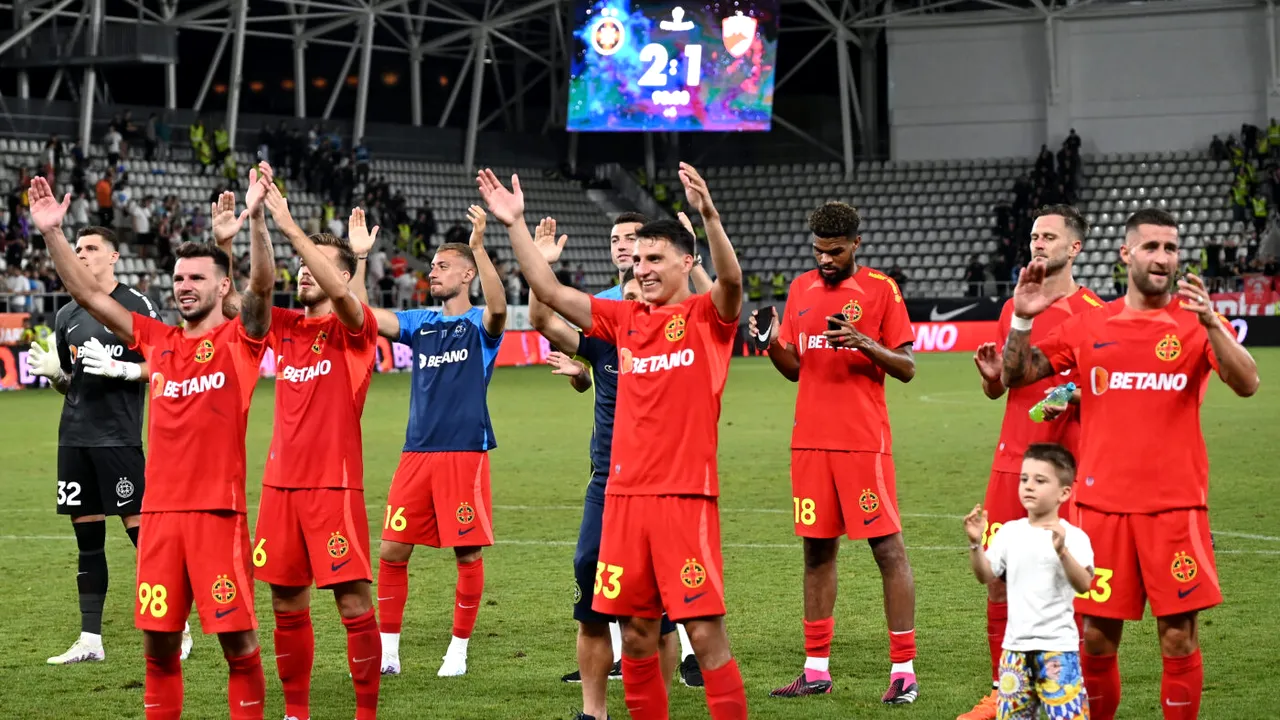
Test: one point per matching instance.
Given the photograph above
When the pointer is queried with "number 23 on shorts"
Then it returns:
(1100, 591)
(610, 587)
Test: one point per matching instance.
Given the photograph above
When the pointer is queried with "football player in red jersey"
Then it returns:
(194, 542)
(1057, 238)
(660, 544)
(844, 329)
(312, 523)
(1145, 361)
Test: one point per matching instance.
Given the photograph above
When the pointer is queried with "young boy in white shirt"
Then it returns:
(1045, 561)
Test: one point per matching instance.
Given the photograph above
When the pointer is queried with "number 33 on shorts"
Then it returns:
(608, 587)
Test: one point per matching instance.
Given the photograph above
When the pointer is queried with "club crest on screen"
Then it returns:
(608, 36)
(738, 31)
(224, 590)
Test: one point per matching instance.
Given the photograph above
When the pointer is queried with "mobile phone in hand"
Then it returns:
(832, 324)
(765, 317)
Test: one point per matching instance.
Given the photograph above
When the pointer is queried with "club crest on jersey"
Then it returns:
(675, 328)
(868, 501)
(204, 353)
(1184, 567)
(852, 310)
(692, 575)
(317, 347)
(124, 488)
(459, 330)
(157, 385)
(1169, 348)
(466, 514)
(224, 590)
(338, 546)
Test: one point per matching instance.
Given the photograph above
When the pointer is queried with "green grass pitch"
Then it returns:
(944, 431)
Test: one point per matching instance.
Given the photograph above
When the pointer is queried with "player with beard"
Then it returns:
(101, 467)
(844, 329)
(1147, 357)
(440, 492)
(1057, 238)
(312, 524)
(594, 628)
(194, 538)
(660, 544)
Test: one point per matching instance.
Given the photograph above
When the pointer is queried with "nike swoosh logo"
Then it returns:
(632, 332)
(802, 312)
(122, 504)
(358, 660)
(380, 598)
(335, 567)
(165, 352)
(467, 607)
(150, 705)
(219, 614)
(1171, 703)
(464, 532)
(1097, 346)
(870, 520)
(288, 340)
(610, 369)
(936, 316)
(689, 599)
(1182, 594)
(429, 332)
(250, 704)
(73, 327)
(763, 336)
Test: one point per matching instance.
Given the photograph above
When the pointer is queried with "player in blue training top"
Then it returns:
(440, 493)
(595, 662)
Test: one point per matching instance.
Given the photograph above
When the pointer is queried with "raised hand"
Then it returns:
(1029, 297)
(43, 362)
(225, 223)
(476, 215)
(695, 190)
(684, 220)
(988, 361)
(771, 330)
(1059, 537)
(1193, 297)
(544, 238)
(258, 182)
(278, 206)
(358, 234)
(562, 364)
(506, 205)
(975, 524)
(46, 212)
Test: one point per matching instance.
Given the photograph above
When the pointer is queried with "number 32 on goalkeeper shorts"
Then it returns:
(610, 587)
(1101, 590)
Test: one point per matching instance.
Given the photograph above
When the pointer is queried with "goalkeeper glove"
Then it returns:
(43, 362)
(97, 360)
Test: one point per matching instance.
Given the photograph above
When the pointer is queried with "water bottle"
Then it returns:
(1060, 395)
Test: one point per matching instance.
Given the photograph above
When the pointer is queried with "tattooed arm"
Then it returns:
(255, 309)
(1023, 364)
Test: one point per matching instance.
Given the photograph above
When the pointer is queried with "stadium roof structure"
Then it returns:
(522, 46)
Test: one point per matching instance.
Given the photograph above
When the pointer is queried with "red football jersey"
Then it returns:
(200, 393)
(323, 371)
(673, 361)
(840, 403)
(1144, 375)
(1018, 432)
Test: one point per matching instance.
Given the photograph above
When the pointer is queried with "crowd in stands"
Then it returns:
(1253, 244)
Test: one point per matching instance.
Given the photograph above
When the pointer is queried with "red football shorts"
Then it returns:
(440, 499)
(834, 493)
(1166, 558)
(307, 534)
(660, 552)
(194, 555)
(1002, 504)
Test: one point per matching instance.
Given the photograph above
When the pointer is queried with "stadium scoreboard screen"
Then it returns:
(662, 66)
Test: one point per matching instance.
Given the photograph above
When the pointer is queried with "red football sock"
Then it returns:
(1102, 682)
(997, 621)
(393, 591)
(364, 658)
(295, 653)
(467, 597)
(817, 637)
(902, 646)
(162, 696)
(643, 688)
(246, 687)
(726, 698)
(1181, 686)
